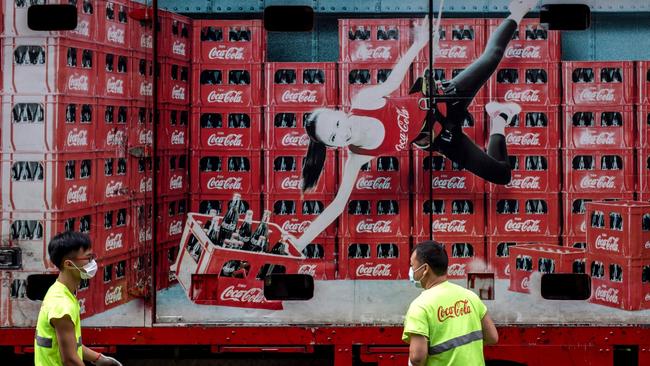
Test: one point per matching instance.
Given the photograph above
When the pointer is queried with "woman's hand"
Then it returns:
(421, 33)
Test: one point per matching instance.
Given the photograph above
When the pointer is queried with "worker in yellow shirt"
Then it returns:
(447, 324)
(58, 330)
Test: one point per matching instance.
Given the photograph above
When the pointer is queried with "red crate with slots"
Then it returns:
(14, 19)
(174, 37)
(598, 83)
(86, 297)
(617, 282)
(461, 41)
(114, 73)
(466, 253)
(447, 177)
(174, 81)
(374, 258)
(226, 172)
(516, 214)
(140, 268)
(599, 128)
(531, 43)
(575, 241)
(283, 128)
(141, 124)
(383, 174)
(368, 216)
(599, 171)
(113, 23)
(535, 170)
(643, 82)
(373, 40)
(112, 289)
(533, 128)
(228, 41)
(643, 126)
(526, 259)
(574, 207)
(113, 223)
(498, 251)
(444, 72)
(203, 203)
(294, 213)
(113, 118)
(227, 85)
(113, 178)
(619, 228)
(643, 174)
(173, 173)
(301, 84)
(321, 261)
(173, 130)
(534, 84)
(141, 31)
(142, 76)
(141, 227)
(283, 173)
(219, 129)
(173, 211)
(167, 255)
(457, 215)
(140, 173)
(354, 77)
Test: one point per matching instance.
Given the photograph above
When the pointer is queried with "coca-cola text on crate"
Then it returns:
(598, 83)
(321, 259)
(113, 121)
(448, 177)
(203, 203)
(141, 31)
(534, 84)
(284, 173)
(141, 228)
(498, 251)
(534, 128)
(535, 170)
(113, 230)
(141, 76)
(466, 253)
(642, 82)
(113, 178)
(373, 40)
(140, 124)
(575, 210)
(167, 254)
(175, 77)
(516, 214)
(227, 85)
(113, 23)
(173, 133)
(461, 41)
(113, 288)
(531, 42)
(355, 76)
(294, 214)
(598, 171)
(368, 215)
(114, 73)
(643, 126)
(174, 38)
(173, 210)
(374, 258)
(619, 282)
(643, 174)
(453, 215)
(284, 127)
(299, 84)
(219, 129)
(172, 170)
(226, 171)
(384, 174)
(599, 127)
(228, 41)
(140, 175)
(15, 21)
(619, 228)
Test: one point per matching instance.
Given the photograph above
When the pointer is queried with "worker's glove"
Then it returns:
(107, 361)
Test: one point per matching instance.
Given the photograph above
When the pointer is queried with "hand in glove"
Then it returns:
(107, 361)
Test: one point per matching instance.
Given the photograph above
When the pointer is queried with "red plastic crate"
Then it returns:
(113, 118)
(527, 94)
(533, 128)
(536, 170)
(592, 127)
(173, 211)
(526, 259)
(457, 215)
(203, 203)
(578, 241)
(142, 76)
(526, 47)
(619, 228)
(173, 174)
(453, 47)
(447, 71)
(220, 85)
(167, 255)
(361, 40)
(173, 130)
(594, 178)
(643, 82)
(598, 92)
(294, 213)
(113, 178)
(283, 128)
(114, 73)
(383, 175)
(574, 207)
(174, 37)
(86, 298)
(376, 258)
(643, 126)
(283, 173)
(141, 32)
(113, 23)
(208, 48)
(466, 253)
(369, 216)
(13, 16)
(113, 223)
(643, 161)
(141, 225)
(619, 282)
(141, 124)
(446, 177)
(174, 81)
(520, 215)
(370, 72)
(222, 172)
(498, 251)
(112, 289)
(140, 176)
(301, 84)
(321, 262)
(219, 129)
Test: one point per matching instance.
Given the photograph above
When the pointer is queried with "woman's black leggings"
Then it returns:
(493, 166)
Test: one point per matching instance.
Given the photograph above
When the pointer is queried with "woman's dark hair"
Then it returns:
(314, 161)
(65, 243)
(433, 254)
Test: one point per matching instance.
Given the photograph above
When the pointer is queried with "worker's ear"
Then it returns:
(565, 16)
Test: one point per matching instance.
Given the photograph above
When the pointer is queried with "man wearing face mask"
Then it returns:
(447, 324)
(58, 329)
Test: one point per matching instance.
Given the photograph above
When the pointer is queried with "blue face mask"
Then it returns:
(417, 283)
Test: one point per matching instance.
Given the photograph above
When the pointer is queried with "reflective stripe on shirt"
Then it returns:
(455, 342)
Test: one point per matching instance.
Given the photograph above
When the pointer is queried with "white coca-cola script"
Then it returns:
(295, 227)
(146, 185)
(610, 243)
(378, 227)
(114, 241)
(602, 182)
(456, 270)
(145, 137)
(304, 96)
(146, 89)
(176, 182)
(230, 140)
(113, 295)
(145, 235)
(115, 34)
(113, 189)
(83, 28)
(595, 138)
(115, 86)
(232, 53)
(291, 183)
(526, 226)
(77, 138)
(231, 183)
(403, 124)
(526, 139)
(595, 94)
(448, 183)
(115, 138)
(146, 41)
(178, 92)
(307, 269)
(175, 228)
(603, 293)
(178, 138)
(231, 96)
(364, 52)
(78, 82)
(374, 184)
(529, 96)
(77, 194)
(524, 183)
(252, 295)
(378, 270)
(525, 283)
(523, 52)
(178, 48)
(453, 226)
(456, 52)
(291, 139)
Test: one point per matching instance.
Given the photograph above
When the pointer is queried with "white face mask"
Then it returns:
(417, 283)
(89, 270)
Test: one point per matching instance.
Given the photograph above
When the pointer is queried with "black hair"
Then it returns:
(315, 159)
(65, 243)
(433, 254)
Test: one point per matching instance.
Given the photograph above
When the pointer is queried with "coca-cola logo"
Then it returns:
(176, 182)
(403, 124)
(528, 226)
(83, 28)
(146, 89)
(453, 226)
(524, 96)
(595, 94)
(594, 138)
(178, 48)
(374, 184)
(583, 225)
(115, 138)
(113, 189)
(145, 137)
(378, 270)
(449, 183)
(113, 295)
(307, 269)
(115, 86)
(178, 138)
(507, 270)
(304, 96)
(231, 140)
(525, 283)
(77, 138)
(365, 52)
(232, 183)
(524, 183)
(647, 297)
(456, 269)
(77, 194)
(295, 140)
(145, 235)
(526, 139)
(146, 185)
(607, 243)
(178, 92)
(232, 53)
(176, 228)
(647, 245)
(523, 52)
(290, 183)
(243, 295)
(146, 41)
(231, 96)
(457, 52)
(603, 293)
(602, 182)
(115, 34)
(114, 241)
(381, 227)
(78, 82)
(458, 309)
(295, 227)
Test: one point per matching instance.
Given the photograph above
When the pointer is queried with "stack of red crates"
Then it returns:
(643, 130)
(618, 254)
(598, 146)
